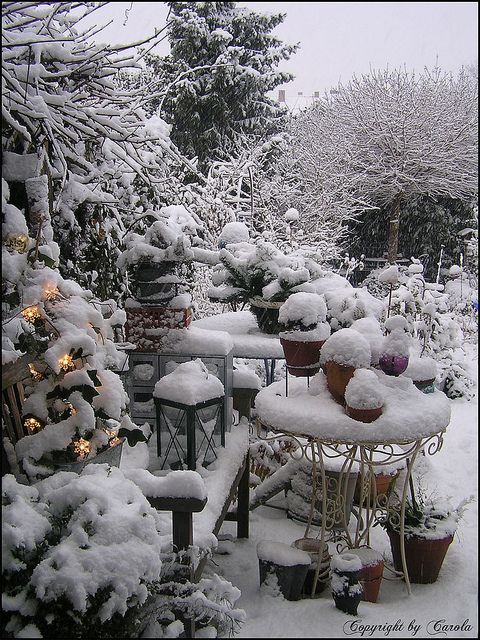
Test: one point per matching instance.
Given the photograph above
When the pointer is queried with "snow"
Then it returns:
(319, 334)
(281, 554)
(396, 343)
(420, 369)
(363, 390)
(302, 310)
(345, 562)
(190, 383)
(246, 379)
(348, 348)
(198, 341)
(390, 275)
(233, 232)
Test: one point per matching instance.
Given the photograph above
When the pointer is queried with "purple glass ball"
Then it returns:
(393, 365)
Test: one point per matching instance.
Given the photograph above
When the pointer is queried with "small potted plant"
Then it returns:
(303, 316)
(346, 588)
(395, 347)
(364, 396)
(423, 372)
(429, 526)
(343, 352)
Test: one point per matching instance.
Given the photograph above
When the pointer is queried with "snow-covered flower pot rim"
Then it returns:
(319, 334)
(347, 347)
(363, 391)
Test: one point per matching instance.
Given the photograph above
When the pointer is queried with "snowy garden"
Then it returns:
(239, 344)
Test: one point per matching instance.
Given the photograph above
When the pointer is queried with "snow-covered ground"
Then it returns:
(445, 609)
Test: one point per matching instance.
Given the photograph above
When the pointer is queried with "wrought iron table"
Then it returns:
(411, 422)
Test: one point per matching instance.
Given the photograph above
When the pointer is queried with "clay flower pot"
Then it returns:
(382, 484)
(302, 358)
(371, 573)
(424, 556)
(338, 376)
(364, 415)
(313, 546)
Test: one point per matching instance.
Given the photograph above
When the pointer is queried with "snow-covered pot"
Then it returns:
(371, 573)
(363, 397)
(303, 315)
(395, 348)
(423, 372)
(287, 564)
(343, 352)
(266, 315)
(313, 547)
(156, 281)
(346, 588)
(424, 556)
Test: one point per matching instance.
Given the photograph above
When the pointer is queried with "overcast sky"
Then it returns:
(339, 39)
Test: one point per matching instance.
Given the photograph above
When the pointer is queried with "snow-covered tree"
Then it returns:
(222, 64)
(389, 136)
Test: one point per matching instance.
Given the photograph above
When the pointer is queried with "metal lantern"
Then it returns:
(188, 434)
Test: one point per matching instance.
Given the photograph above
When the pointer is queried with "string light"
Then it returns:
(36, 375)
(113, 438)
(66, 362)
(71, 408)
(32, 424)
(17, 242)
(81, 447)
(30, 314)
(51, 292)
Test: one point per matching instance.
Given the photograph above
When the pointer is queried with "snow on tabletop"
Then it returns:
(345, 562)
(408, 414)
(303, 308)
(363, 390)
(246, 379)
(247, 339)
(348, 348)
(176, 484)
(328, 282)
(281, 554)
(190, 383)
(218, 478)
(198, 341)
(421, 369)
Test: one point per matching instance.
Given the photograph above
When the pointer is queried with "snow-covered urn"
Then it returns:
(395, 347)
(303, 315)
(346, 589)
(343, 352)
(363, 396)
(423, 372)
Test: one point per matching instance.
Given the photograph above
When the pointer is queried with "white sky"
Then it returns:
(339, 39)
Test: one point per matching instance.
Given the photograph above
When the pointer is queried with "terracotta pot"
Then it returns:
(382, 484)
(313, 546)
(424, 556)
(364, 415)
(393, 365)
(302, 358)
(371, 573)
(338, 376)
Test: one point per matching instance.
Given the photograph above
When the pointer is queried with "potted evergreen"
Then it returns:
(429, 526)
(343, 352)
(364, 396)
(303, 316)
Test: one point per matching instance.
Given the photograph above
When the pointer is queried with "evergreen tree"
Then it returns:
(216, 79)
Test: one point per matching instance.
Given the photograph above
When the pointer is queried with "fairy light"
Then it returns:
(30, 314)
(81, 447)
(113, 438)
(36, 375)
(18, 242)
(51, 292)
(66, 362)
(71, 408)
(32, 424)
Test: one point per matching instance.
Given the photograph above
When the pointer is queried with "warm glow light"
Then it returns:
(32, 424)
(113, 439)
(81, 447)
(71, 408)
(31, 314)
(51, 292)
(36, 375)
(66, 362)
(17, 242)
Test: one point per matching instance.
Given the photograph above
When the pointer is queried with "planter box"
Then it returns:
(148, 326)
